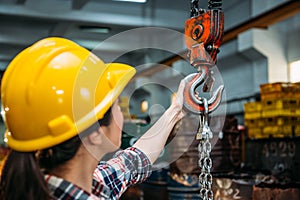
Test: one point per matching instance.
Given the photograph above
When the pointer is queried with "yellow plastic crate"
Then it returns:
(255, 133)
(282, 103)
(124, 105)
(252, 115)
(281, 131)
(281, 120)
(252, 107)
(252, 110)
(279, 87)
(254, 122)
(279, 95)
(124, 100)
(281, 113)
(297, 130)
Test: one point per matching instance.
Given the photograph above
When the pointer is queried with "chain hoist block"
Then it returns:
(203, 37)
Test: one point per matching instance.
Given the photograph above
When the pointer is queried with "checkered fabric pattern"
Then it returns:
(126, 168)
(111, 178)
(64, 190)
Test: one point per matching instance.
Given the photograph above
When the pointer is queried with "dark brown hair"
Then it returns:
(22, 179)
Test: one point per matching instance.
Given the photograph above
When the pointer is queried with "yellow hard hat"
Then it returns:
(55, 89)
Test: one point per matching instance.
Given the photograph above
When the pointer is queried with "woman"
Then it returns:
(62, 116)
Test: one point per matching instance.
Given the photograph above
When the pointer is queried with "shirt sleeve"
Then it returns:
(127, 167)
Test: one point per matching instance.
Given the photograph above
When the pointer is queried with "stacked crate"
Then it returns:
(253, 119)
(277, 114)
(124, 105)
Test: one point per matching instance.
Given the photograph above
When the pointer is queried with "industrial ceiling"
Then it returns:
(90, 22)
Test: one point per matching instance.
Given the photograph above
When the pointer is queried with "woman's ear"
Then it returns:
(95, 137)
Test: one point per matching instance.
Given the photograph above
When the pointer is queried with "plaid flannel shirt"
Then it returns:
(127, 167)
(64, 190)
(111, 178)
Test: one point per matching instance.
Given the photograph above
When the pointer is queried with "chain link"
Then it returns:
(194, 8)
(204, 149)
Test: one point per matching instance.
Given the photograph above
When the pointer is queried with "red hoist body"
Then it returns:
(203, 37)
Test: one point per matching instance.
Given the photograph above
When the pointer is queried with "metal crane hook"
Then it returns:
(195, 104)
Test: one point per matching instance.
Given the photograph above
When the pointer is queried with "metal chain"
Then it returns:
(194, 8)
(215, 4)
(204, 135)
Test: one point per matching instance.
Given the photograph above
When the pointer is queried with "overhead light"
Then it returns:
(295, 71)
(144, 106)
(134, 1)
(95, 29)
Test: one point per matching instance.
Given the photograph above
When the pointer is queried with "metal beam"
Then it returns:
(78, 4)
(20, 2)
(60, 29)
(282, 12)
(97, 18)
